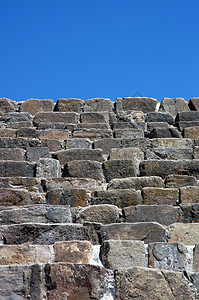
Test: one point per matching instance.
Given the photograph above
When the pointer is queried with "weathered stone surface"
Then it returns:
(162, 196)
(148, 232)
(162, 214)
(64, 196)
(33, 106)
(7, 142)
(20, 124)
(36, 213)
(131, 116)
(29, 183)
(119, 169)
(94, 117)
(56, 117)
(141, 143)
(154, 125)
(178, 181)
(196, 152)
(174, 105)
(169, 153)
(176, 143)
(130, 153)
(77, 143)
(92, 134)
(191, 132)
(6, 105)
(16, 154)
(167, 256)
(189, 194)
(69, 105)
(17, 168)
(194, 103)
(77, 281)
(160, 117)
(196, 258)
(102, 213)
(35, 153)
(84, 169)
(98, 104)
(187, 116)
(167, 167)
(184, 124)
(188, 234)
(107, 144)
(143, 283)
(15, 117)
(7, 132)
(190, 212)
(125, 125)
(136, 103)
(122, 254)
(41, 234)
(120, 198)
(28, 132)
(53, 145)
(169, 132)
(68, 155)
(58, 134)
(48, 168)
(51, 125)
(136, 183)
(128, 133)
(10, 196)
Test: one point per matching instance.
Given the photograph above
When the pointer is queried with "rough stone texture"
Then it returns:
(58, 134)
(120, 198)
(196, 258)
(98, 104)
(140, 143)
(125, 125)
(137, 183)
(41, 234)
(84, 169)
(33, 106)
(7, 142)
(6, 105)
(162, 214)
(104, 213)
(128, 133)
(107, 144)
(188, 234)
(122, 254)
(189, 194)
(29, 183)
(28, 132)
(190, 212)
(151, 195)
(15, 117)
(78, 143)
(164, 133)
(160, 117)
(93, 134)
(10, 196)
(191, 132)
(119, 169)
(68, 155)
(178, 181)
(167, 256)
(63, 196)
(48, 168)
(33, 154)
(69, 105)
(187, 116)
(136, 103)
(17, 169)
(16, 154)
(196, 152)
(94, 117)
(143, 283)
(169, 153)
(174, 105)
(7, 132)
(154, 125)
(175, 143)
(130, 153)
(53, 145)
(56, 117)
(164, 168)
(194, 103)
(148, 232)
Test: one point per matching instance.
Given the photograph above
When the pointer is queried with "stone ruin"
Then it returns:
(99, 199)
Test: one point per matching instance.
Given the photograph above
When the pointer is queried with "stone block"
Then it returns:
(119, 169)
(93, 134)
(137, 183)
(48, 168)
(131, 116)
(102, 213)
(169, 153)
(169, 132)
(174, 143)
(53, 145)
(154, 125)
(131, 153)
(15, 154)
(178, 181)
(51, 125)
(63, 196)
(22, 124)
(160, 117)
(162, 214)
(83, 169)
(189, 194)
(83, 126)
(98, 104)
(68, 155)
(196, 258)
(136, 103)
(28, 132)
(148, 232)
(69, 105)
(196, 152)
(107, 144)
(184, 124)
(174, 105)
(58, 134)
(15, 117)
(79, 143)
(144, 283)
(191, 132)
(188, 234)
(10, 196)
(11, 168)
(94, 117)
(160, 196)
(125, 125)
(187, 116)
(41, 234)
(73, 252)
(7, 142)
(190, 212)
(31, 184)
(167, 256)
(35, 153)
(120, 198)
(122, 254)
(56, 117)
(33, 106)
(7, 132)
(164, 168)
(194, 103)
(6, 105)
(140, 143)
(128, 133)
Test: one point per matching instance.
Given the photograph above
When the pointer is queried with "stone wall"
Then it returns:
(99, 199)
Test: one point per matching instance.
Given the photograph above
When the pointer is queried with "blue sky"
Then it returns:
(88, 48)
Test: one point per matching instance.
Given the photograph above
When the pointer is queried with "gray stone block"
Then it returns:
(48, 168)
(98, 104)
(119, 169)
(174, 105)
(63, 196)
(77, 143)
(107, 144)
(56, 117)
(69, 105)
(17, 169)
(33, 154)
(137, 183)
(136, 103)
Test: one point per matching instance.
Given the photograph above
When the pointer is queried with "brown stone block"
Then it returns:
(104, 126)
(194, 104)
(130, 153)
(136, 103)
(73, 252)
(79, 143)
(169, 153)
(69, 105)
(28, 132)
(63, 196)
(98, 104)
(174, 105)
(53, 145)
(33, 106)
(161, 196)
(17, 169)
(58, 134)
(15, 154)
(93, 134)
(7, 132)
(137, 183)
(196, 258)
(56, 117)
(189, 194)
(188, 234)
(107, 144)
(191, 132)
(6, 105)
(119, 169)
(173, 143)
(94, 117)
(10, 197)
(128, 133)
(178, 181)
(48, 167)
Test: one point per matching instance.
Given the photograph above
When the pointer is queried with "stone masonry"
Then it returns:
(99, 199)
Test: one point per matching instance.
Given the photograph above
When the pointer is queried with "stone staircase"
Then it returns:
(99, 199)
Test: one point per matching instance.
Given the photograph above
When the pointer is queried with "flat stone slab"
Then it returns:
(188, 234)
(33, 106)
(119, 169)
(64, 196)
(98, 104)
(69, 105)
(161, 196)
(56, 117)
(17, 169)
(143, 104)
(178, 181)
(106, 144)
(137, 183)
(189, 194)
(174, 105)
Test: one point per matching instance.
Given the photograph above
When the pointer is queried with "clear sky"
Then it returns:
(99, 48)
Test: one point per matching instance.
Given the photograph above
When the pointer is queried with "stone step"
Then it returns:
(9, 168)
(69, 105)
(137, 183)
(92, 133)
